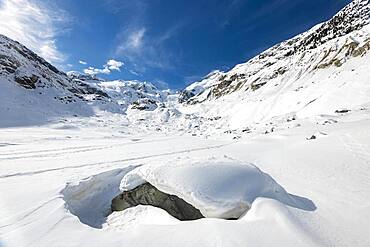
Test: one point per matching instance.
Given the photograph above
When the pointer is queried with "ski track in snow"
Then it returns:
(359, 149)
(107, 162)
(59, 152)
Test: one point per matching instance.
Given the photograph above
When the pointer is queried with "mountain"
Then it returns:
(127, 94)
(322, 71)
(331, 43)
(32, 91)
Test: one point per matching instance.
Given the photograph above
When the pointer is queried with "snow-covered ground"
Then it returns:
(280, 142)
(56, 183)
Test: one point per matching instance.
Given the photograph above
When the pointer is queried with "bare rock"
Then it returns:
(147, 194)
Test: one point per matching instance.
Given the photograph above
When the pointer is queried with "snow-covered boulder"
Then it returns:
(223, 189)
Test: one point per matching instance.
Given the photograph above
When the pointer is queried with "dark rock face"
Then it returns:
(346, 21)
(28, 82)
(147, 194)
(185, 95)
(8, 64)
(342, 111)
(144, 105)
(30, 71)
(313, 137)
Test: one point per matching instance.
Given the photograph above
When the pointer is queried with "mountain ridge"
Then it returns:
(351, 18)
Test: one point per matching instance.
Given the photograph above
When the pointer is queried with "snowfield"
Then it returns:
(56, 185)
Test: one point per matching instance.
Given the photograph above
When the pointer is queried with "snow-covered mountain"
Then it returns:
(331, 43)
(128, 94)
(321, 71)
(318, 72)
(32, 91)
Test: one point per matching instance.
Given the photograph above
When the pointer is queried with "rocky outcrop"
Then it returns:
(147, 194)
(30, 71)
(144, 105)
(28, 82)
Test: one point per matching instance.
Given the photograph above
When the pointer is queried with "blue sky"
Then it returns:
(168, 42)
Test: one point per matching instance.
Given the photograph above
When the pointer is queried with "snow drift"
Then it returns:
(218, 189)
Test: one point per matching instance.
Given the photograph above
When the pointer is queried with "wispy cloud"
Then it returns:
(107, 68)
(133, 42)
(82, 62)
(138, 41)
(35, 25)
(144, 49)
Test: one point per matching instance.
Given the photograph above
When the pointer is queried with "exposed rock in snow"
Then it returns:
(198, 88)
(147, 194)
(144, 104)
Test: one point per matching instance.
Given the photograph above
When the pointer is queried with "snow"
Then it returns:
(96, 191)
(219, 189)
(60, 178)
(140, 215)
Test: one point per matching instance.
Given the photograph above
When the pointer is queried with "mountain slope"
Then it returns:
(318, 48)
(321, 71)
(32, 91)
(127, 94)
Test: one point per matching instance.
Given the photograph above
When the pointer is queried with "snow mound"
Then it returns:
(90, 198)
(219, 189)
(136, 216)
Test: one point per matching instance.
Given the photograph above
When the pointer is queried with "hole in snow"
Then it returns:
(90, 199)
(158, 194)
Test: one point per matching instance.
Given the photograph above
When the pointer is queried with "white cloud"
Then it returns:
(114, 65)
(133, 42)
(94, 71)
(82, 62)
(33, 24)
(107, 68)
